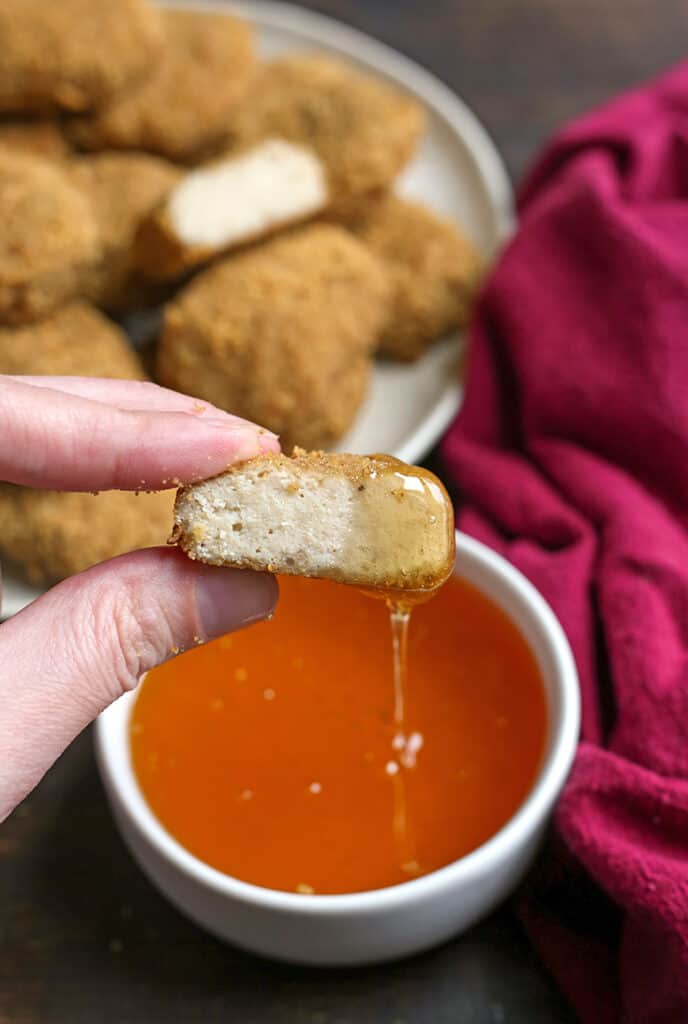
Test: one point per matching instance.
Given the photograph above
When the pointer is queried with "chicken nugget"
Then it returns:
(73, 54)
(48, 237)
(122, 189)
(39, 136)
(366, 520)
(435, 272)
(311, 134)
(47, 535)
(77, 340)
(281, 334)
(182, 107)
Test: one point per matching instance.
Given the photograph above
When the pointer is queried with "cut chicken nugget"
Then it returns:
(367, 520)
(76, 340)
(73, 54)
(47, 240)
(227, 203)
(48, 535)
(39, 136)
(182, 107)
(281, 334)
(122, 189)
(311, 134)
(435, 272)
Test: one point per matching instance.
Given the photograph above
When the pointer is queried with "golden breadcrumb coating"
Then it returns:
(122, 188)
(48, 535)
(281, 334)
(48, 237)
(77, 340)
(363, 129)
(39, 136)
(73, 54)
(434, 269)
(181, 108)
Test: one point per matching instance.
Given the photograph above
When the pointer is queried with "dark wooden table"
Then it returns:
(84, 939)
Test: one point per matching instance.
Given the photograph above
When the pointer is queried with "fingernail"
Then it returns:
(228, 599)
(245, 442)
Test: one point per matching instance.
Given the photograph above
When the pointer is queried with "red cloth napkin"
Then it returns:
(571, 452)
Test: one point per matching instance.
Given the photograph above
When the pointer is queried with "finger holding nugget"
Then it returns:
(55, 440)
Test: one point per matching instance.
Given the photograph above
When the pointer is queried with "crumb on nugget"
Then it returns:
(77, 340)
(38, 136)
(73, 54)
(281, 334)
(48, 535)
(122, 189)
(182, 106)
(310, 135)
(48, 237)
(434, 271)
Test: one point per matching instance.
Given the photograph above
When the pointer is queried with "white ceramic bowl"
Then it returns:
(386, 923)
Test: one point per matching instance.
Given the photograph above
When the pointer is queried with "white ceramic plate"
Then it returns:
(457, 171)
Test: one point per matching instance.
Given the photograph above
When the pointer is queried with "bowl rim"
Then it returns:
(121, 784)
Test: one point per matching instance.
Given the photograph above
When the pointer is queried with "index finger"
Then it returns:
(141, 395)
(61, 441)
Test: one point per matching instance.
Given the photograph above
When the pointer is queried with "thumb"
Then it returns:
(89, 639)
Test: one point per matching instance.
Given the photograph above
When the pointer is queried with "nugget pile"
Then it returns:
(148, 158)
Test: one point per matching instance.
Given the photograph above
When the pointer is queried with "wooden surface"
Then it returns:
(83, 936)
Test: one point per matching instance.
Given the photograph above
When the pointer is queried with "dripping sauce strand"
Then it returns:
(405, 745)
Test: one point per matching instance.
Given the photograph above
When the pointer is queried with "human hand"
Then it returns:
(89, 639)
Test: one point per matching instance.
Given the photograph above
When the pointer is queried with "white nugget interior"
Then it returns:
(294, 522)
(245, 196)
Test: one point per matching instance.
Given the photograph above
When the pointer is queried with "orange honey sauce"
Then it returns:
(274, 754)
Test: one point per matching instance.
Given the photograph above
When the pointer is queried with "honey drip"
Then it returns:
(399, 617)
(405, 745)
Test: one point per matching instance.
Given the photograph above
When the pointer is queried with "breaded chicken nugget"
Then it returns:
(122, 189)
(39, 136)
(48, 535)
(77, 340)
(434, 270)
(311, 134)
(48, 237)
(281, 334)
(182, 107)
(73, 54)
(366, 520)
